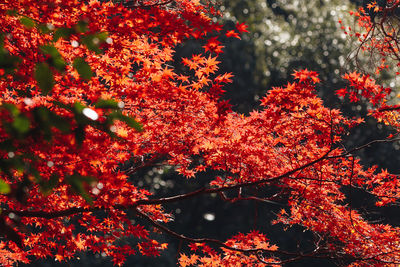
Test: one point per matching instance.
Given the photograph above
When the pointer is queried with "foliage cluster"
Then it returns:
(86, 86)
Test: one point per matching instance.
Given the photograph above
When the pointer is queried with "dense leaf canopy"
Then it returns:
(87, 86)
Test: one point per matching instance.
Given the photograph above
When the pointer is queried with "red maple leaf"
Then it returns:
(232, 33)
(241, 27)
(213, 45)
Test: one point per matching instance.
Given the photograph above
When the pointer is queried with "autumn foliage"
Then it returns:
(88, 85)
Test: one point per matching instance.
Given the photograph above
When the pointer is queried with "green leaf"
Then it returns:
(4, 187)
(7, 62)
(12, 109)
(57, 60)
(15, 163)
(43, 28)
(46, 187)
(34, 172)
(21, 123)
(77, 182)
(128, 120)
(102, 36)
(50, 50)
(62, 105)
(82, 26)
(64, 33)
(27, 22)
(112, 104)
(12, 12)
(83, 68)
(59, 122)
(92, 43)
(47, 119)
(44, 77)
(78, 108)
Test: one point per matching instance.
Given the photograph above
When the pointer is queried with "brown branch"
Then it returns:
(318, 252)
(350, 199)
(57, 213)
(75, 210)
(390, 108)
(349, 152)
(257, 199)
(131, 4)
(210, 240)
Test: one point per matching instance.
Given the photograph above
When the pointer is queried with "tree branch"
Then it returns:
(201, 191)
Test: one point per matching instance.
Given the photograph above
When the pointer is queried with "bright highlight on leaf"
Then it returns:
(90, 113)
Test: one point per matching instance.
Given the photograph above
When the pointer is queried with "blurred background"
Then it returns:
(284, 35)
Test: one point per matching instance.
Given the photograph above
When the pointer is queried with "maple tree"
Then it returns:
(86, 86)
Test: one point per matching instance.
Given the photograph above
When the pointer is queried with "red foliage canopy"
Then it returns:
(93, 64)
